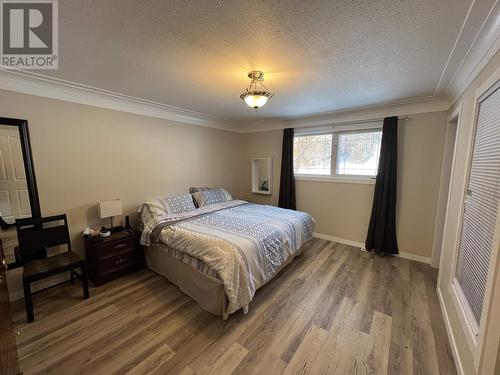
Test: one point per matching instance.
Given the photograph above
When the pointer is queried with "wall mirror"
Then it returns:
(261, 175)
(18, 190)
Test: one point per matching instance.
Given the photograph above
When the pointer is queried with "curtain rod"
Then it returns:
(378, 119)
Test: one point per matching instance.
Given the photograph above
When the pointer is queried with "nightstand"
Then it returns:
(114, 256)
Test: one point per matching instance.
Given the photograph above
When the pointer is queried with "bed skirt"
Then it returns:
(207, 290)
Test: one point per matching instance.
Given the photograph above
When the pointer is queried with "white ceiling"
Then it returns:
(318, 56)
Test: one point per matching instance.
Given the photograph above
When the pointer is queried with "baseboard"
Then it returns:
(449, 332)
(339, 240)
(19, 294)
(361, 245)
(414, 257)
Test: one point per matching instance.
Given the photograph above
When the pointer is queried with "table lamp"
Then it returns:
(109, 209)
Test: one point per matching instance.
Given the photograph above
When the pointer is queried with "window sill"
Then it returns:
(337, 179)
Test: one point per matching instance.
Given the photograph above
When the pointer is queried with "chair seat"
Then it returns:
(50, 264)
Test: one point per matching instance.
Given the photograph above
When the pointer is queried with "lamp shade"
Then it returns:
(256, 94)
(255, 101)
(109, 208)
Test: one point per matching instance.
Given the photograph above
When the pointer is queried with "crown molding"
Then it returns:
(40, 85)
(359, 114)
(477, 42)
(485, 44)
(476, 15)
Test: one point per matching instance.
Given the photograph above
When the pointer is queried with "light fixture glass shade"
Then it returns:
(256, 95)
(255, 101)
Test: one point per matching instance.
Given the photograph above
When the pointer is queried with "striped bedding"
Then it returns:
(197, 264)
(244, 244)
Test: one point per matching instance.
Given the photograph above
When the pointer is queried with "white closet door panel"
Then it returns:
(3, 169)
(481, 204)
(17, 159)
(24, 203)
(6, 210)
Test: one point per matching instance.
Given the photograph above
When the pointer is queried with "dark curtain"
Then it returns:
(287, 181)
(381, 236)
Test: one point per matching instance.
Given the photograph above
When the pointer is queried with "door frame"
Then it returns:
(24, 137)
(447, 167)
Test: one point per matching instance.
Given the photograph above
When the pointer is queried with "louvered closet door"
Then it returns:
(481, 204)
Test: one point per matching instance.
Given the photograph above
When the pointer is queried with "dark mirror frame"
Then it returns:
(24, 136)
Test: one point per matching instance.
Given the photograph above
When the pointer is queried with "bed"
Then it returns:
(221, 253)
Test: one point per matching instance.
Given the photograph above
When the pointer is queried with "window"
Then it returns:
(338, 153)
(312, 154)
(357, 153)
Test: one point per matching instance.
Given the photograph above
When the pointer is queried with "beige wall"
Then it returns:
(421, 143)
(343, 210)
(497, 367)
(458, 181)
(260, 145)
(85, 154)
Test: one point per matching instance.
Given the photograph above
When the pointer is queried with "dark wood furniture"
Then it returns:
(114, 256)
(29, 169)
(35, 236)
(24, 135)
(8, 351)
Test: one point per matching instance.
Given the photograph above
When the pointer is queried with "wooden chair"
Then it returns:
(35, 236)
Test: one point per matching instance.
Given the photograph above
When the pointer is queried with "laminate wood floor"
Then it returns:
(334, 310)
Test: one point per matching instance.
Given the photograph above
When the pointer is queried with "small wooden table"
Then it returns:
(114, 256)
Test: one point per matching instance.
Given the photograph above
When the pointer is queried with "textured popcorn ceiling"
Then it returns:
(318, 56)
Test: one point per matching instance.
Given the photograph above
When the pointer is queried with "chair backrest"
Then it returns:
(36, 235)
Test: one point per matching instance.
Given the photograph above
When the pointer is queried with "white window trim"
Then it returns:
(339, 128)
(335, 130)
(344, 179)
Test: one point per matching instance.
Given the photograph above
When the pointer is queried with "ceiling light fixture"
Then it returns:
(256, 94)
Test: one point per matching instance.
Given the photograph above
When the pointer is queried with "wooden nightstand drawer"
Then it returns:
(111, 249)
(113, 263)
(113, 256)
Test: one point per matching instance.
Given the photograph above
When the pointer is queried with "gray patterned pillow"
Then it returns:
(177, 204)
(193, 190)
(162, 206)
(208, 197)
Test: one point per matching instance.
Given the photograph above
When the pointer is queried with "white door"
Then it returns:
(479, 222)
(14, 197)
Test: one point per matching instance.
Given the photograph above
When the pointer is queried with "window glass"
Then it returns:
(358, 153)
(312, 154)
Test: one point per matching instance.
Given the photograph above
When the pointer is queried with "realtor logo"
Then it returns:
(29, 34)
